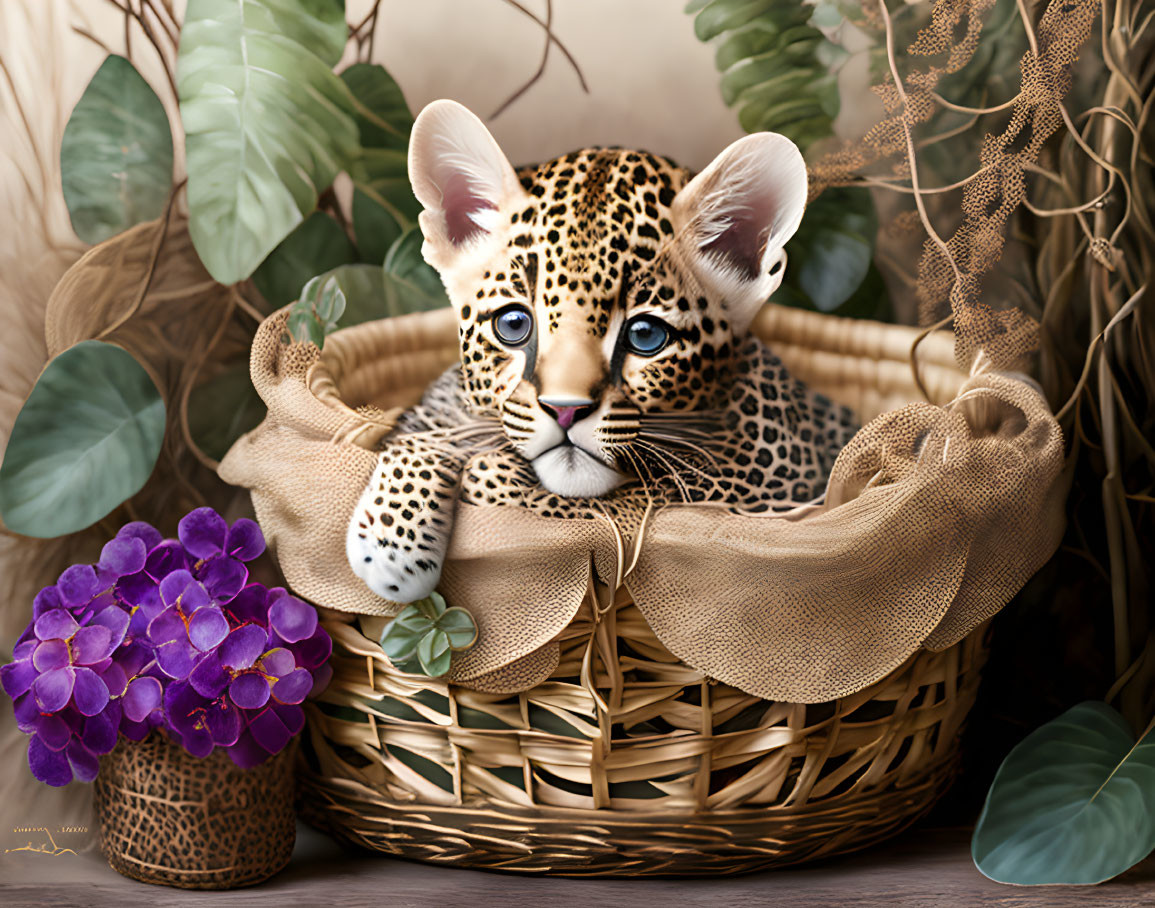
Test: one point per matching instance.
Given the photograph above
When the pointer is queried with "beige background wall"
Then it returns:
(652, 83)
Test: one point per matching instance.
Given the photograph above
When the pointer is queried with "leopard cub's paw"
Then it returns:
(400, 529)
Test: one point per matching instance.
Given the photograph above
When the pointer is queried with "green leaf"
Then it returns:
(375, 227)
(317, 245)
(316, 314)
(267, 123)
(86, 439)
(414, 618)
(116, 154)
(795, 48)
(382, 175)
(411, 285)
(1073, 803)
(459, 627)
(432, 607)
(434, 653)
(384, 201)
(830, 255)
(223, 409)
(723, 15)
(383, 117)
(777, 67)
(364, 289)
(399, 642)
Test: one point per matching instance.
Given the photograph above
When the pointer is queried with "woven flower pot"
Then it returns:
(170, 818)
(727, 692)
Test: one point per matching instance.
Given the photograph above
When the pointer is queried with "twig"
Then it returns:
(561, 47)
(540, 67)
(900, 88)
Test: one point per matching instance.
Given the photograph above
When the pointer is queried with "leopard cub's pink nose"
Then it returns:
(566, 412)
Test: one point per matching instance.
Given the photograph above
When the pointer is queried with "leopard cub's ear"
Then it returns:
(737, 214)
(461, 177)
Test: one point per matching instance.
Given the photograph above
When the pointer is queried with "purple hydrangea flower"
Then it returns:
(169, 634)
(246, 694)
(190, 624)
(218, 552)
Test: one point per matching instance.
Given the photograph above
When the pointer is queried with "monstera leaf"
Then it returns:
(86, 439)
(268, 125)
(116, 154)
(1073, 803)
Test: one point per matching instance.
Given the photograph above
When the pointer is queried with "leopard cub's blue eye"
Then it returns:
(646, 335)
(513, 324)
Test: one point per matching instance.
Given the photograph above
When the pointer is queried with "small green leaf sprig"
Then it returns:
(317, 312)
(424, 636)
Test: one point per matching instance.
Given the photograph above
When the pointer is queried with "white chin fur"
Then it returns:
(570, 471)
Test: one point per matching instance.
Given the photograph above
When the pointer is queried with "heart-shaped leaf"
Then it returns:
(434, 653)
(432, 607)
(399, 642)
(268, 125)
(116, 154)
(1074, 802)
(459, 626)
(86, 439)
(316, 246)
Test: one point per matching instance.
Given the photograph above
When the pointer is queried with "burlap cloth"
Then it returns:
(934, 517)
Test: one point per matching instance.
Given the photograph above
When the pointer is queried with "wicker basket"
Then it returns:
(170, 818)
(634, 766)
(626, 761)
(749, 691)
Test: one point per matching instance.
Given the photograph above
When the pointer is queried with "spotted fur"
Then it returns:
(572, 421)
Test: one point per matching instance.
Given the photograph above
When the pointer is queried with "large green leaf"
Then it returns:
(86, 439)
(116, 154)
(268, 125)
(223, 409)
(375, 227)
(317, 245)
(1074, 802)
(383, 116)
(411, 285)
(381, 173)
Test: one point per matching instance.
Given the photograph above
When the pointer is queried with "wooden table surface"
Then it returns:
(924, 867)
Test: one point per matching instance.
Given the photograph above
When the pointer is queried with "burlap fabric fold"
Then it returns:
(936, 514)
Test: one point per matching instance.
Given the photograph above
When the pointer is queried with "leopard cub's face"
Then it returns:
(602, 296)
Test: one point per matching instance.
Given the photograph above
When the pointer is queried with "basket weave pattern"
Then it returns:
(570, 739)
(699, 777)
(170, 818)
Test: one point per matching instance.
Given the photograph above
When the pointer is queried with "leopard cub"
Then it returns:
(604, 302)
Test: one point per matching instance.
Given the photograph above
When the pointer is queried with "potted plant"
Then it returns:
(165, 675)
